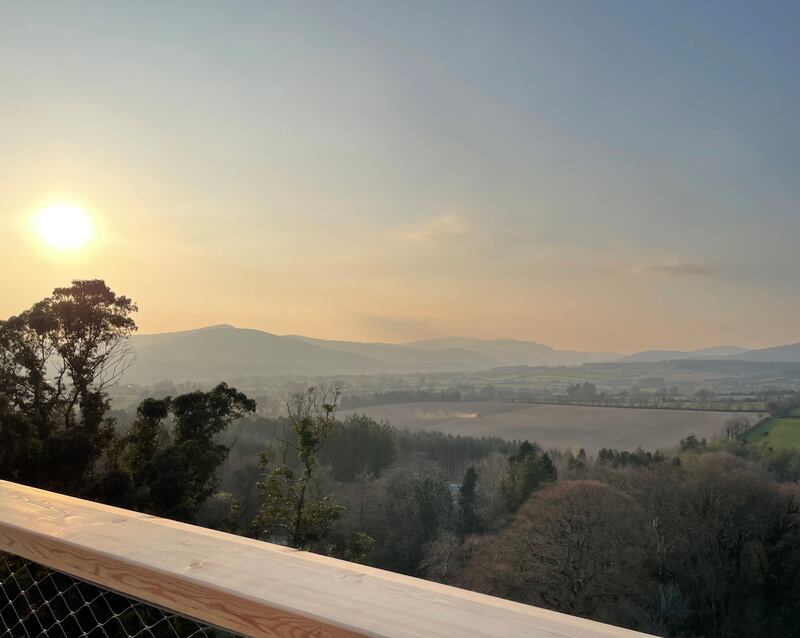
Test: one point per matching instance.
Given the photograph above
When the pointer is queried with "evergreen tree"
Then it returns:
(528, 468)
(468, 520)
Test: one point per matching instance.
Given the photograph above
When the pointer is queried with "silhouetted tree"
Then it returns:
(56, 361)
(171, 454)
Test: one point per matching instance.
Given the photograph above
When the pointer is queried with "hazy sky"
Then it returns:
(595, 175)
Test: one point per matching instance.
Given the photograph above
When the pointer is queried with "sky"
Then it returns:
(590, 175)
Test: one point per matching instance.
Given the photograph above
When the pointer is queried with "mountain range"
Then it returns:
(229, 352)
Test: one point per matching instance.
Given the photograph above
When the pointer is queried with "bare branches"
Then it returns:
(285, 512)
(119, 356)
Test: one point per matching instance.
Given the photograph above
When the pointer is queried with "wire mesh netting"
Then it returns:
(37, 601)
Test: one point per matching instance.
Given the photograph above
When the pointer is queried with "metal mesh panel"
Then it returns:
(37, 601)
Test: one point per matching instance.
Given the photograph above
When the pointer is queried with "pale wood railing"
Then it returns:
(254, 588)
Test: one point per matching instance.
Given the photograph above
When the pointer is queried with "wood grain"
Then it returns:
(256, 589)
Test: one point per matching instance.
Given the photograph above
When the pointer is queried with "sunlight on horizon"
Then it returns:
(63, 226)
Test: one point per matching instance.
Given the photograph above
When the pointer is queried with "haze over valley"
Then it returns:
(224, 351)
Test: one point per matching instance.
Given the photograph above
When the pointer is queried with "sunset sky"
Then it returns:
(591, 175)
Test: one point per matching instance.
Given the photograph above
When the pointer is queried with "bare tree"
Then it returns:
(285, 513)
(736, 428)
(577, 547)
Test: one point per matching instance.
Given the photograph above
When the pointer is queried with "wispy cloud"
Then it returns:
(438, 229)
(675, 266)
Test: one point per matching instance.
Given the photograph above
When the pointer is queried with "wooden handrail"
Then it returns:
(254, 588)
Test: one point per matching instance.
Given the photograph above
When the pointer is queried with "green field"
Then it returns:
(777, 433)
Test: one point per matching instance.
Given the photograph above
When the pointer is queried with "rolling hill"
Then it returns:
(778, 354)
(669, 355)
(223, 351)
(513, 352)
(405, 355)
(787, 353)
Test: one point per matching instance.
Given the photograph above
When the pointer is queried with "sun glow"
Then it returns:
(64, 226)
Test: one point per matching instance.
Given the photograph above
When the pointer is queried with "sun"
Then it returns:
(64, 226)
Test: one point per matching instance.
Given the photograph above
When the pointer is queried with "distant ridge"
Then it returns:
(667, 355)
(777, 354)
(515, 352)
(403, 354)
(787, 353)
(224, 351)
